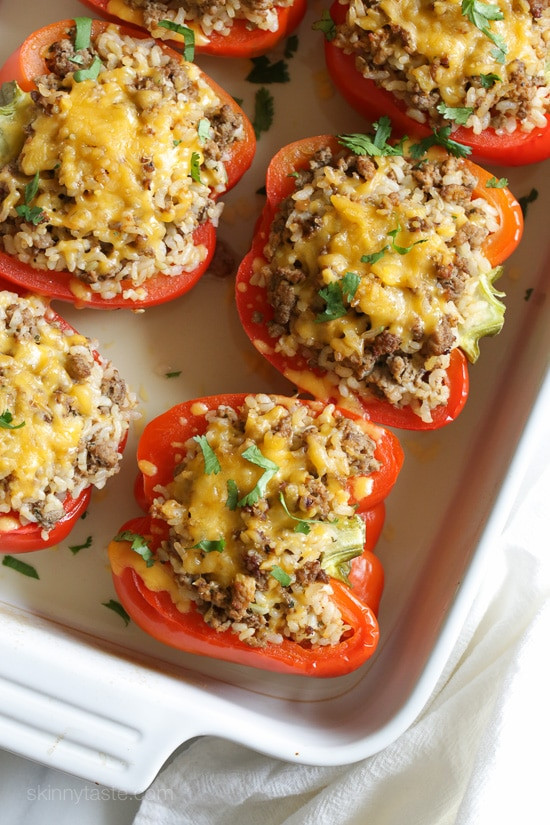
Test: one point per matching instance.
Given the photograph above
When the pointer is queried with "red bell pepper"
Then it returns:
(148, 591)
(255, 311)
(240, 42)
(24, 538)
(24, 66)
(365, 96)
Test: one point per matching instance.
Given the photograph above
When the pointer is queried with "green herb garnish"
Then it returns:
(278, 573)
(196, 167)
(439, 137)
(334, 295)
(326, 25)
(83, 33)
(528, 293)
(375, 145)
(373, 257)
(254, 455)
(291, 46)
(481, 15)
(459, 114)
(173, 374)
(187, 34)
(211, 463)
(138, 544)
(90, 73)
(117, 608)
(33, 214)
(402, 250)
(209, 546)
(488, 80)
(264, 71)
(232, 494)
(20, 567)
(203, 129)
(496, 183)
(76, 548)
(264, 110)
(6, 419)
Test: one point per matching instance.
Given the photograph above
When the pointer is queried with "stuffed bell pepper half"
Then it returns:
(257, 547)
(64, 419)
(475, 71)
(370, 278)
(114, 150)
(229, 29)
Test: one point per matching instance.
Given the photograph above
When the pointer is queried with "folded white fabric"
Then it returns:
(476, 755)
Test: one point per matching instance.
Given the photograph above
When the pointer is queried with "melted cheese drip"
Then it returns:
(120, 9)
(440, 29)
(98, 141)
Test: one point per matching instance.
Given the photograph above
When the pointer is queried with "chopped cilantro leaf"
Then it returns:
(489, 80)
(480, 14)
(232, 494)
(6, 419)
(349, 284)
(196, 167)
(32, 214)
(264, 71)
(374, 145)
(117, 608)
(496, 183)
(211, 463)
(459, 115)
(83, 32)
(76, 548)
(90, 73)
(402, 250)
(254, 455)
(526, 200)
(20, 567)
(264, 110)
(291, 46)
(440, 137)
(282, 577)
(172, 374)
(373, 257)
(209, 546)
(139, 545)
(326, 25)
(335, 307)
(187, 34)
(203, 129)
(528, 293)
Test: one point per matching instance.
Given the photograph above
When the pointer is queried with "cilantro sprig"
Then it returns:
(458, 114)
(264, 111)
(376, 144)
(481, 15)
(264, 71)
(336, 295)
(211, 463)
(210, 545)
(6, 421)
(185, 32)
(255, 456)
(439, 137)
(138, 544)
(117, 608)
(32, 214)
(326, 25)
(402, 250)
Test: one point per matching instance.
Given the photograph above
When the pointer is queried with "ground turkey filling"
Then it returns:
(210, 16)
(373, 270)
(256, 564)
(129, 165)
(64, 414)
(393, 49)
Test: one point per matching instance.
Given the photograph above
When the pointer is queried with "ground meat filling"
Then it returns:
(114, 213)
(208, 15)
(392, 334)
(265, 577)
(503, 93)
(70, 413)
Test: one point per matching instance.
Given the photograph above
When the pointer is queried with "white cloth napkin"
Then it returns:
(476, 755)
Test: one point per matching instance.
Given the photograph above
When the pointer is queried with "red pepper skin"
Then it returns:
(159, 451)
(252, 302)
(23, 66)
(241, 42)
(27, 538)
(517, 149)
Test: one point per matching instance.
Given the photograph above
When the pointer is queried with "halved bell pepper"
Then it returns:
(147, 587)
(517, 148)
(242, 41)
(26, 64)
(256, 312)
(16, 537)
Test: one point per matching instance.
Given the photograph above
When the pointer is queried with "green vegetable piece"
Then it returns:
(91, 73)
(211, 463)
(117, 608)
(348, 543)
(16, 107)
(20, 567)
(6, 419)
(138, 544)
(83, 33)
(488, 319)
(188, 37)
(291, 46)
(282, 577)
